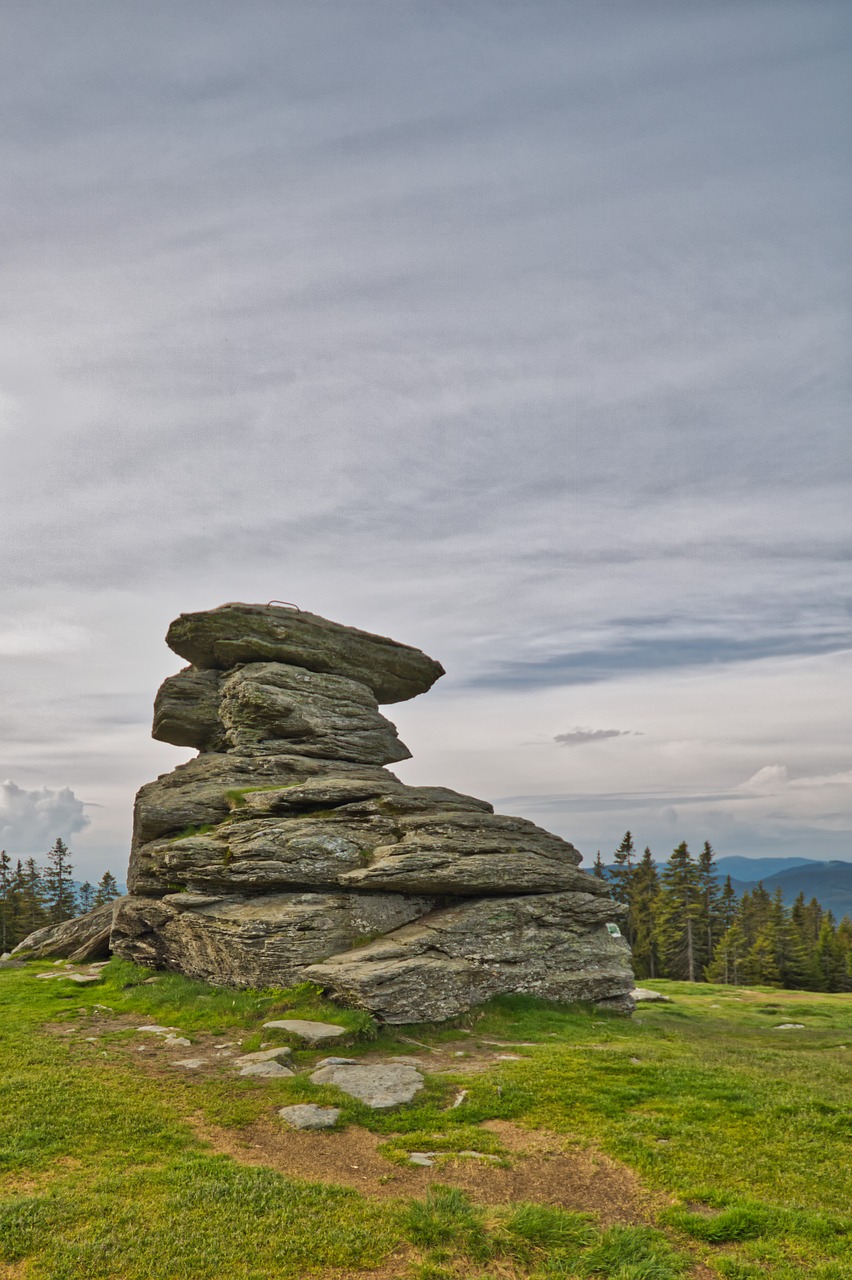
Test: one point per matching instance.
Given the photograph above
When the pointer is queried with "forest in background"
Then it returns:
(32, 896)
(683, 923)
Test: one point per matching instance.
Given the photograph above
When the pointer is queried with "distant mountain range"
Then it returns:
(829, 882)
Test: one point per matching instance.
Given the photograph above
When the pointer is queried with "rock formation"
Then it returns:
(286, 851)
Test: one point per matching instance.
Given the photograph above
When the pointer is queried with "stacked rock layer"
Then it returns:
(286, 851)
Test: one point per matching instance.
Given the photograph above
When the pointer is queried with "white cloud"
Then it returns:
(30, 821)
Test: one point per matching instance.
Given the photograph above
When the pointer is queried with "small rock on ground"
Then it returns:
(262, 1055)
(308, 1116)
(189, 1064)
(338, 1062)
(313, 1032)
(378, 1086)
(265, 1069)
(789, 1026)
(642, 995)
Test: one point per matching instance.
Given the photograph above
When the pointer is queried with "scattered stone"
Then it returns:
(407, 1061)
(175, 1040)
(642, 995)
(341, 1062)
(424, 1158)
(312, 1032)
(281, 1054)
(157, 1030)
(190, 1064)
(789, 1026)
(508, 1057)
(267, 1070)
(378, 1086)
(82, 978)
(306, 1115)
(458, 1099)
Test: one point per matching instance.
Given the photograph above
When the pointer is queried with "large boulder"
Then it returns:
(286, 851)
(235, 633)
(257, 941)
(83, 938)
(553, 946)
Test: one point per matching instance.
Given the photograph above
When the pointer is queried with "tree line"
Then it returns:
(32, 896)
(682, 923)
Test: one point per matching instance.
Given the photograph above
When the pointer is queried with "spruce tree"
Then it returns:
(85, 897)
(679, 910)
(710, 919)
(598, 867)
(6, 943)
(33, 911)
(643, 908)
(59, 888)
(621, 876)
(107, 890)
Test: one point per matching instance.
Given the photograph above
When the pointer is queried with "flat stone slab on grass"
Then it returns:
(267, 1070)
(313, 1032)
(378, 1086)
(789, 1026)
(262, 1055)
(190, 1064)
(642, 995)
(307, 1116)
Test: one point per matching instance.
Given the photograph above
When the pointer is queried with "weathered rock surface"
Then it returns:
(555, 946)
(84, 938)
(267, 708)
(286, 851)
(235, 633)
(306, 1029)
(305, 1115)
(254, 941)
(378, 1085)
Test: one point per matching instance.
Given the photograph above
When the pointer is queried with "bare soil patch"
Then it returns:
(542, 1168)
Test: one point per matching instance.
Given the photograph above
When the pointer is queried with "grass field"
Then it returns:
(739, 1132)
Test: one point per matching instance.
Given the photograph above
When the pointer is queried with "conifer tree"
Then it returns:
(598, 867)
(6, 942)
(643, 907)
(710, 917)
(727, 963)
(621, 876)
(59, 888)
(33, 912)
(679, 909)
(107, 890)
(85, 897)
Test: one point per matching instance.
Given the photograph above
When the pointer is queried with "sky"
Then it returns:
(517, 330)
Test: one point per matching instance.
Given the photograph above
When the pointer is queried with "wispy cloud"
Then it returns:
(578, 737)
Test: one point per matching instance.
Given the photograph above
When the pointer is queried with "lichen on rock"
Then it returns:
(286, 851)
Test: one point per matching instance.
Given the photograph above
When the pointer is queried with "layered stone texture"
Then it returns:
(286, 850)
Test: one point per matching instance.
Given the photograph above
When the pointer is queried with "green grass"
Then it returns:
(746, 1127)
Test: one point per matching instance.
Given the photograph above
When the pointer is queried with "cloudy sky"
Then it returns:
(515, 329)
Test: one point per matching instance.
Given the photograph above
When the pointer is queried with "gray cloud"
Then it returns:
(578, 737)
(30, 821)
(520, 333)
